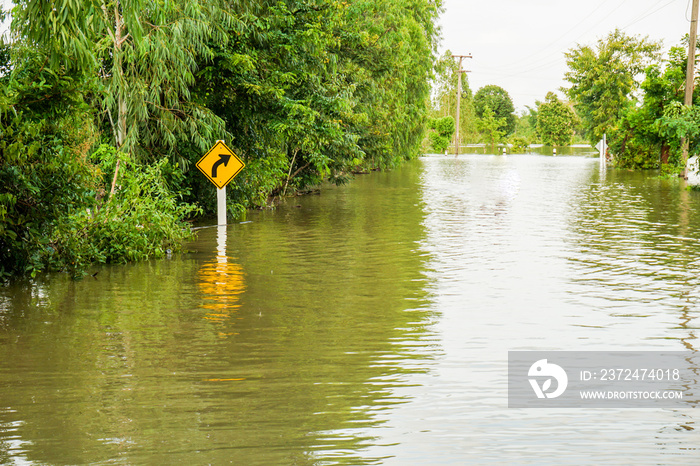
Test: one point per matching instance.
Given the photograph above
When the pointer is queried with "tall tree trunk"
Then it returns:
(665, 153)
(119, 38)
(289, 175)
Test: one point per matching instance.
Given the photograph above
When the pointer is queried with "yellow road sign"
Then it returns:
(220, 165)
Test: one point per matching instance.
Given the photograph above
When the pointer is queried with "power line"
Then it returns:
(540, 64)
(550, 63)
(550, 59)
(651, 13)
(555, 41)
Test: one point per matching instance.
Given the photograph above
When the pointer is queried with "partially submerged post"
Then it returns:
(221, 206)
(220, 165)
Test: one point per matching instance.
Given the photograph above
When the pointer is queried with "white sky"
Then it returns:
(520, 44)
(4, 27)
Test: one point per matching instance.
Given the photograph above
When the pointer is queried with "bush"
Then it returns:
(443, 130)
(142, 220)
(44, 172)
(438, 143)
(53, 211)
(520, 145)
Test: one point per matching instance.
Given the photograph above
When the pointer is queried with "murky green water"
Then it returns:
(366, 325)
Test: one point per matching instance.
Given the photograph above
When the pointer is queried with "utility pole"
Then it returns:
(459, 97)
(690, 76)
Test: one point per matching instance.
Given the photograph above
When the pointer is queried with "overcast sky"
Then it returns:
(520, 44)
(6, 5)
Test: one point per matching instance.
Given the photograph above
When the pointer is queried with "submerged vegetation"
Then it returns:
(104, 110)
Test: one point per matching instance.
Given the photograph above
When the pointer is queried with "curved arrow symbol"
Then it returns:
(223, 158)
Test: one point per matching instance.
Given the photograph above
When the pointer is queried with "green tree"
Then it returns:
(52, 216)
(526, 123)
(76, 68)
(144, 56)
(555, 121)
(603, 79)
(303, 90)
(387, 53)
(443, 130)
(491, 127)
(46, 131)
(519, 144)
(314, 90)
(681, 121)
(499, 102)
(647, 134)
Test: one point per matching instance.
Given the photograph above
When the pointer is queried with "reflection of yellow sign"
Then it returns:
(221, 282)
(220, 165)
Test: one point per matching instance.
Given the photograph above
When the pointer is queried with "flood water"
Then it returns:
(369, 324)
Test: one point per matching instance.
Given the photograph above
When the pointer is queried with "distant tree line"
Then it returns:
(623, 86)
(488, 116)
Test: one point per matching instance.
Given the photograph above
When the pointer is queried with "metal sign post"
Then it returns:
(220, 165)
(221, 206)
